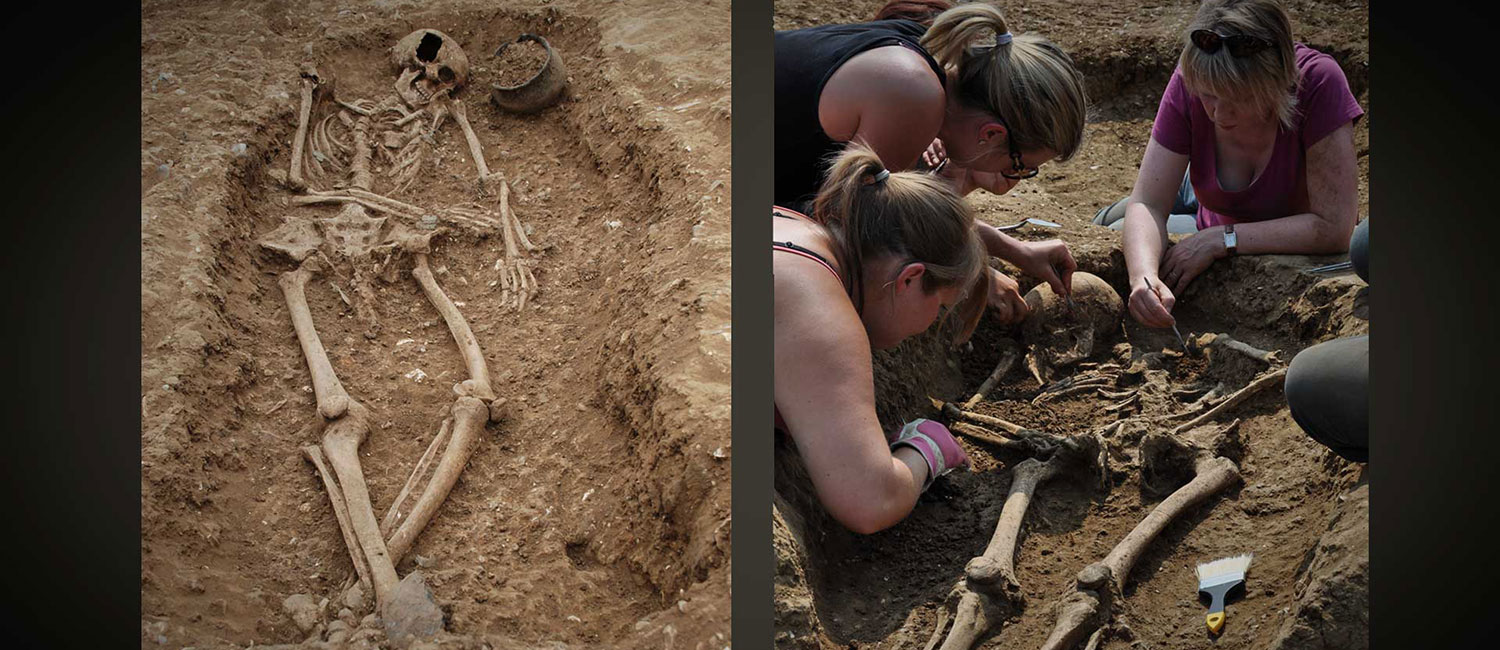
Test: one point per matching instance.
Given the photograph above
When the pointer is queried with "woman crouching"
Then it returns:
(881, 258)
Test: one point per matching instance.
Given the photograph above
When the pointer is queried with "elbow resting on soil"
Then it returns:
(876, 505)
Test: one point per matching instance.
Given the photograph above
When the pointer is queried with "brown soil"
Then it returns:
(519, 62)
(1298, 508)
(597, 514)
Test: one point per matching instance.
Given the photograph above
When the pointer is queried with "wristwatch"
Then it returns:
(1230, 240)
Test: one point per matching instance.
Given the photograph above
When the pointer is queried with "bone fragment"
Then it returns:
(341, 442)
(1007, 360)
(1227, 342)
(478, 384)
(333, 401)
(1264, 381)
(393, 515)
(1083, 611)
(469, 417)
(341, 513)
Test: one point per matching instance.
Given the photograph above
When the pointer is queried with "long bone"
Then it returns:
(333, 400)
(1007, 360)
(1085, 609)
(393, 515)
(1264, 381)
(469, 417)
(1225, 341)
(342, 437)
(304, 111)
(953, 412)
(990, 592)
(341, 513)
(478, 383)
(461, 114)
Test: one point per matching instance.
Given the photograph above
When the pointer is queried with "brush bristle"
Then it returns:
(1226, 566)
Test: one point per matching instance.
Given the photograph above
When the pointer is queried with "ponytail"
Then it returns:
(1025, 79)
(870, 211)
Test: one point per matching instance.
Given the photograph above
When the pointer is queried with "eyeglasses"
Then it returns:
(1240, 45)
(1018, 170)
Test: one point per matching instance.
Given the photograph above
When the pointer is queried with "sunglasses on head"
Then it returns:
(1240, 45)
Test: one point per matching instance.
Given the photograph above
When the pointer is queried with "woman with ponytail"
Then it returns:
(882, 256)
(963, 95)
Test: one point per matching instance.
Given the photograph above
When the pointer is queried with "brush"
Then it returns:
(1217, 579)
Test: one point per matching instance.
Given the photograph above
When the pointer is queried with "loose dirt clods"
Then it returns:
(451, 245)
(1202, 435)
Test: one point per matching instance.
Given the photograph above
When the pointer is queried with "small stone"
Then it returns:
(302, 610)
(347, 618)
(429, 221)
(239, 149)
(354, 599)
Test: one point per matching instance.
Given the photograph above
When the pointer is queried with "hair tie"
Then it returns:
(1003, 39)
(881, 175)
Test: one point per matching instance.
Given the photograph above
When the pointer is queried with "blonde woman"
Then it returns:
(965, 95)
(1267, 125)
(881, 256)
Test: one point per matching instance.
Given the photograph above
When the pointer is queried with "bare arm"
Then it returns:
(1145, 233)
(825, 392)
(1333, 197)
(887, 98)
(1322, 225)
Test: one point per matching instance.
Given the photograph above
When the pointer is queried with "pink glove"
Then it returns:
(937, 446)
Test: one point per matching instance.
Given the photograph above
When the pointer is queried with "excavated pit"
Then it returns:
(597, 512)
(1302, 510)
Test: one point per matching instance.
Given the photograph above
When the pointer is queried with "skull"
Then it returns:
(431, 63)
(1060, 336)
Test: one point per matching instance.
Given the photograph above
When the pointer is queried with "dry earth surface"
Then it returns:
(597, 513)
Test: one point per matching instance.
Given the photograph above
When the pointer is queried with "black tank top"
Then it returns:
(805, 59)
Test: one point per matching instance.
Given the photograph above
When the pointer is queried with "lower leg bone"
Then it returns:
(341, 446)
(469, 418)
(341, 513)
(393, 515)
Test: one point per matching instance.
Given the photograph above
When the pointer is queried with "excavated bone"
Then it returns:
(469, 417)
(314, 455)
(1226, 342)
(430, 62)
(393, 514)
(333, 401)
(1060, 335)
(1007, 360)
(990, 592)
(1090, 605)
(478, 384)
(1264, 381)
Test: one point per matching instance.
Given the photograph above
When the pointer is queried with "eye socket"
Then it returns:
(445, 74)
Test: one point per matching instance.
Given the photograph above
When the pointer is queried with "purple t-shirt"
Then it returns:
(1324, 103)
